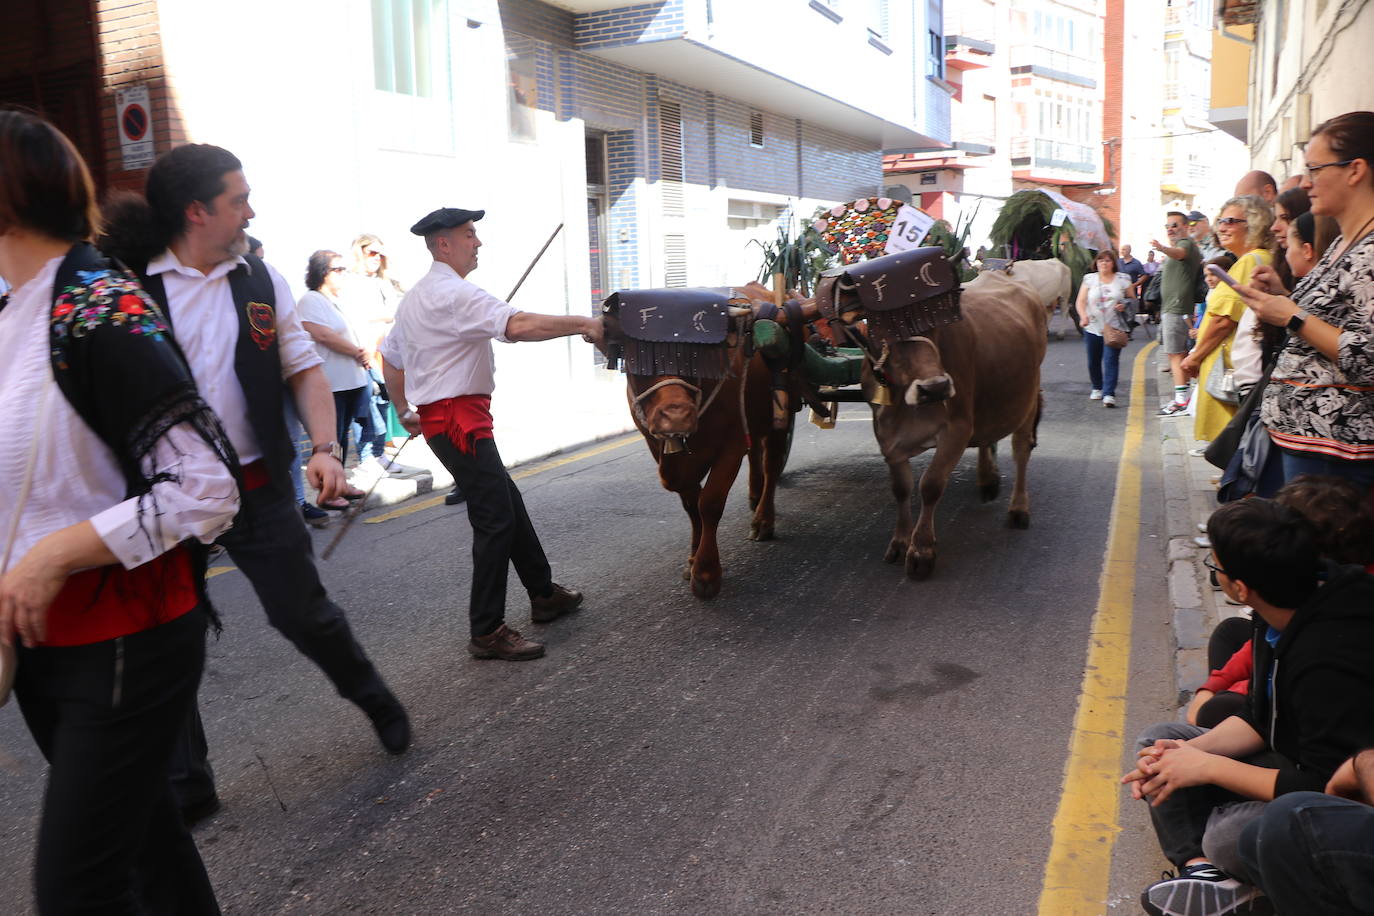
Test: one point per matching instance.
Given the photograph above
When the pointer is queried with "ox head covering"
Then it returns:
(902, 295)
(669, 331)
(446, 218)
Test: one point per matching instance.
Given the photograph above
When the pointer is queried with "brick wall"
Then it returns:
(538, 20)
(697, 159)
(838, 167)
(623, 165)
(131, 51)
(773, 167)
(626, 25)
(1112, 114)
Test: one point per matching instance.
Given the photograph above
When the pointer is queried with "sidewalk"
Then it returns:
(1189, 498)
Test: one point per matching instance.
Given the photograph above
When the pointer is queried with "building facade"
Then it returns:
(1308, 62)
(663, 137)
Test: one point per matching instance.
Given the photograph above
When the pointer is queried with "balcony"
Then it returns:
(1057, 65)
(1040, 158)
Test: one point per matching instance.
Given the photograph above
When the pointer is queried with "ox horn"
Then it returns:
(737, 311)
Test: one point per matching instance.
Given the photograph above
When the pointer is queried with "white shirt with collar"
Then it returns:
(77, 478)
(204, 322)
(442, 337)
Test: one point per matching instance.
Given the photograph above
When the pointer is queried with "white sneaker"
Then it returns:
(366, 473)
(1096, 395)
(1109, 401)
(396, 469)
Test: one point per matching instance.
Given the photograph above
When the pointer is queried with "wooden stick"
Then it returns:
(353, 511)
(534, 262)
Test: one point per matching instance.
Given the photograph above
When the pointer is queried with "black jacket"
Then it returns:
(1322, 708)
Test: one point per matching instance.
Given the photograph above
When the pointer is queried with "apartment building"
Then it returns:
(661, 136)
(1307, 62)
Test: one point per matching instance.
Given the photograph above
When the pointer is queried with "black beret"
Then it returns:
(446, 218)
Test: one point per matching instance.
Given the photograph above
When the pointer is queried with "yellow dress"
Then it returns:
(1213, 415)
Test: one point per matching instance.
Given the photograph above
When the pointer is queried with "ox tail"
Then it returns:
(1039, 410)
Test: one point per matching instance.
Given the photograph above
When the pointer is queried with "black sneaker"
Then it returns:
(454, 497)
(1203, 890)
(314, 515)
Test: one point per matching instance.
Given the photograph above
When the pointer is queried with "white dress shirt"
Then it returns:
(205, 325)
(76, 477)
(442, 337)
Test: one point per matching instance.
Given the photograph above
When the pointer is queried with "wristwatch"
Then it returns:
(333, 449)
(1295, 322)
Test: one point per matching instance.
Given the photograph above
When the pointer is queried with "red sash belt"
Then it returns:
(110, 601)
(255, 475)
(463, 419)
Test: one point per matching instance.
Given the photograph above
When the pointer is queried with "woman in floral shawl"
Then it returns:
(1319, 405)
(104, 509)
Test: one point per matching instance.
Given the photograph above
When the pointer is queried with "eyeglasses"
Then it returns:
(1173, 225)
(1213, 569)
(337, 270)
(1231, 221)
(1312, 170)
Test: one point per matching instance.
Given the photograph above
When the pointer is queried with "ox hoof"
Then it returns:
(706, 589)
(895, 550)
(988, 491)
(919, 566)
(1018, 518)
(761, 531)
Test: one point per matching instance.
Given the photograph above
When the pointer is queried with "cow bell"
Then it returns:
(672, 445)
(882, 397)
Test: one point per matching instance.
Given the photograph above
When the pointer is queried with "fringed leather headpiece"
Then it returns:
(901, 295)
(668, 331)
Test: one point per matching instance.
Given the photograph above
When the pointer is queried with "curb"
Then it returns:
(1189, 498)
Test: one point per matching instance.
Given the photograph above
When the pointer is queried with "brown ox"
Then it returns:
(969, 383)
(698, 432)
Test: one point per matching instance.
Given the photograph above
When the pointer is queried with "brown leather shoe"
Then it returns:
(505, 644)
(559, 602)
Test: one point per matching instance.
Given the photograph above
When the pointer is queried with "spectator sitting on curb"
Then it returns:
(1342, 520)
(1310, 853)
(1305, 715)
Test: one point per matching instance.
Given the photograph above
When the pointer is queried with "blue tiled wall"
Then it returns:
(627, 25)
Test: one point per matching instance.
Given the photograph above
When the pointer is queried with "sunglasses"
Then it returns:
(337, 270)
(1231, 221)
(372, 254)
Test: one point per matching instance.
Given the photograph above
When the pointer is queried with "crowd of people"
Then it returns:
(1263, 798)
(155, 357)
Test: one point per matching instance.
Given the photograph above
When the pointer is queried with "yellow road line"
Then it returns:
(1085, 827)
(217, 570)
(530, 471)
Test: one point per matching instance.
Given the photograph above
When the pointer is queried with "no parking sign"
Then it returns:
(133, 114)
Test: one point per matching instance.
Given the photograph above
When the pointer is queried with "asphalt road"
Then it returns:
(825, 737)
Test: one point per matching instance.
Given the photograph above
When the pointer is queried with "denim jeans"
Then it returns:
(1313, 854)
(1202, 821)
(373, 445)
(296, 430)
(1104, 363)
(355, 405)
(1360, 473)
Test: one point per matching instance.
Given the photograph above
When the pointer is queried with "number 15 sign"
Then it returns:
(909, 229)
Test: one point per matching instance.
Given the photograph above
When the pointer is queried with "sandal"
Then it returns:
(335, 505)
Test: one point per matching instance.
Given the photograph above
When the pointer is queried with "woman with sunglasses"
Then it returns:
(345, 360)
(105, 507)
(1319, 405)
(1243, 229)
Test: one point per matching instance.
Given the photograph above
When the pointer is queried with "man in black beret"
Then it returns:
(438, 356)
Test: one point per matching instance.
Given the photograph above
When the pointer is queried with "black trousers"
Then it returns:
(502, 533)
(106, 716)
(270, 544)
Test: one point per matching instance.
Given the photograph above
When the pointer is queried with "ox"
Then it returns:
(966, 383)
(698, 423)
(1052, 282)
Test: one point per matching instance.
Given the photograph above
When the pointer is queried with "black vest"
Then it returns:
(257, 360)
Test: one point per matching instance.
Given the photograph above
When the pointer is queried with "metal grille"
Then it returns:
(675, 260)
(670, 157)
(756, 129)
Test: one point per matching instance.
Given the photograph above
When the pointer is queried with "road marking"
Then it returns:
(530, 471)
(1085, 828)
(217, 570)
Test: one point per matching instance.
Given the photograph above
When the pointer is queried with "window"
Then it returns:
(670, 156)
(756, 129)
(935, 39)
(410, 46)
(523, 94)
(877, 17)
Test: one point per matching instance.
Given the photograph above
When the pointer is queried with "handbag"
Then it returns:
(1113, 336)
(1246, 468)
(1221, 381)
